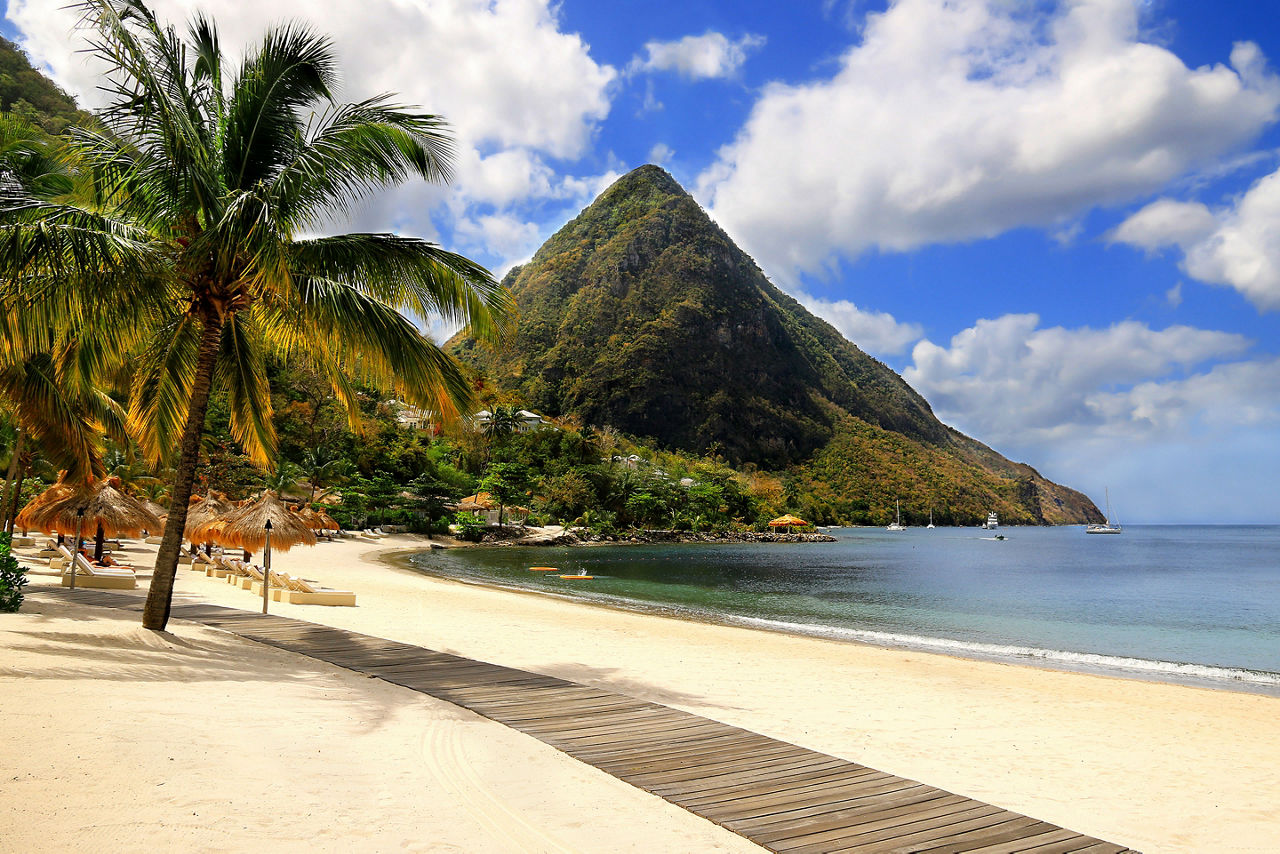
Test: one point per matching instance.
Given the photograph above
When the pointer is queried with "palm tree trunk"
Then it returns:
(8, 481)
(155, 614)
(17, 493)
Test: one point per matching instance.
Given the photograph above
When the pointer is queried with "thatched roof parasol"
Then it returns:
(246, 528)
(106, 508)
(157, 509)
(788, 521)
(204, 511)
(327, 522)
(28, 518)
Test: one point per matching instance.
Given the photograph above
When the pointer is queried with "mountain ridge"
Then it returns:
(641, 313)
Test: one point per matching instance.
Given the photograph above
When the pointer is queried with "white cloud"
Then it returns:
(875, 332)
(660, 153)
(1238, 246)
(956, 121)
(703, 57)
(1010, 382)
(1166, 418)
(515, 89)
(1173, 296)
(1166, 222)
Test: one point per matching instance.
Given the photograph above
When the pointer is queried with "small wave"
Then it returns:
(1171, 670)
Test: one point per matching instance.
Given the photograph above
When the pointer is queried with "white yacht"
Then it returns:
(930, 525)
(897, 525)
(992, 521)
(1106, 527)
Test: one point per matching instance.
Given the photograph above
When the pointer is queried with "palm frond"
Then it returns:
(411, 274)
(162, 382)
(353, 150)
(242, 372)
(292, 68)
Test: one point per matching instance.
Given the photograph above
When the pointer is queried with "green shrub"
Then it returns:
(12, 578)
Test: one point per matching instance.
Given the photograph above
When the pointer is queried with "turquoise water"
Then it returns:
(1189, 603)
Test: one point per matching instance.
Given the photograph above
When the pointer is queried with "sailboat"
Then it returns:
(897, 526)
(1105, 527)
(930, 519)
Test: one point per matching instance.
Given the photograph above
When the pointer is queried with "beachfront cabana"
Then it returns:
(98, 506)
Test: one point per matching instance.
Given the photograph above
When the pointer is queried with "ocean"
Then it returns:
(1197, 604)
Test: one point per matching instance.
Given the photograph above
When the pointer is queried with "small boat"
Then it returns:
(897, 526)
(544, 569)
(930, 525)
(580, 575)
(993, 521)
(1106, 527)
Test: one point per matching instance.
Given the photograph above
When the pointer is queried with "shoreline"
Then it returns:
(1156, 766)
(1158, 671)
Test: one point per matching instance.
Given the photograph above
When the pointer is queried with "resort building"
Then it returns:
(485, 508)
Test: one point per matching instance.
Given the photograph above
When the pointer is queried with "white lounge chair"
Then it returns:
(102, 577)
(299, 591)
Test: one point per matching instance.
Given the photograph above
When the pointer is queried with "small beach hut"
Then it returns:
(788, 521)
(98, 506)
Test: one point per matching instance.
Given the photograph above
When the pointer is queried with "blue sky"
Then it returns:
(1060, 221)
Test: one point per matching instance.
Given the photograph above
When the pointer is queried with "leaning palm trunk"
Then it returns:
(155, 614)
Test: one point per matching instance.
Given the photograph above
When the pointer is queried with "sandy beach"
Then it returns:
(119, 737)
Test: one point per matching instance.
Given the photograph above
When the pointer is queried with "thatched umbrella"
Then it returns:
(262, 524)
(788, 521)
(246, 527)
(102, 505)
(206, 512)
(327, 522)
(29, 518)
(160, 511)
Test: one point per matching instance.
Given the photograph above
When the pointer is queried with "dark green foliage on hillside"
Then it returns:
(642, 314)
(27, 93)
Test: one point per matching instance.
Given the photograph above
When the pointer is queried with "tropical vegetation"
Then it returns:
(183, 245)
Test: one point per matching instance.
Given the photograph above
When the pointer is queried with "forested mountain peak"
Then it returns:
(642, 314)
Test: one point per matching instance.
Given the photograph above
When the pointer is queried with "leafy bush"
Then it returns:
(470, 529)
(12, 578)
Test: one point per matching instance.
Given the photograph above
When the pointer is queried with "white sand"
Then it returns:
(1154, 766)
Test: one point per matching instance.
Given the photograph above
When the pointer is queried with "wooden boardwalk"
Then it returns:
(778, 795)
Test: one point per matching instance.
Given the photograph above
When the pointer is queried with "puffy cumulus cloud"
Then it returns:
(1166, 222)
(876, 332)
(1238, 246)
(1011, 382)
(703, 57)
(956, 121)
(515, 89)
(1178, 422)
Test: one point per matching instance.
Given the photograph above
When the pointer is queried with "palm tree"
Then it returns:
(190, 246)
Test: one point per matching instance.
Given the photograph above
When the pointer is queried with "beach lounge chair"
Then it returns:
(299, 591)
(277, 583)
(252, 576)
(155, 541)
(101, 577)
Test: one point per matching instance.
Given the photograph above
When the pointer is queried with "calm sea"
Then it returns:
(1197, 604)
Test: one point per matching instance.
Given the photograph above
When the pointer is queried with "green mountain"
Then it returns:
(642, 314)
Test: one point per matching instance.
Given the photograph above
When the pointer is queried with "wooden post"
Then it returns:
(266, 568)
